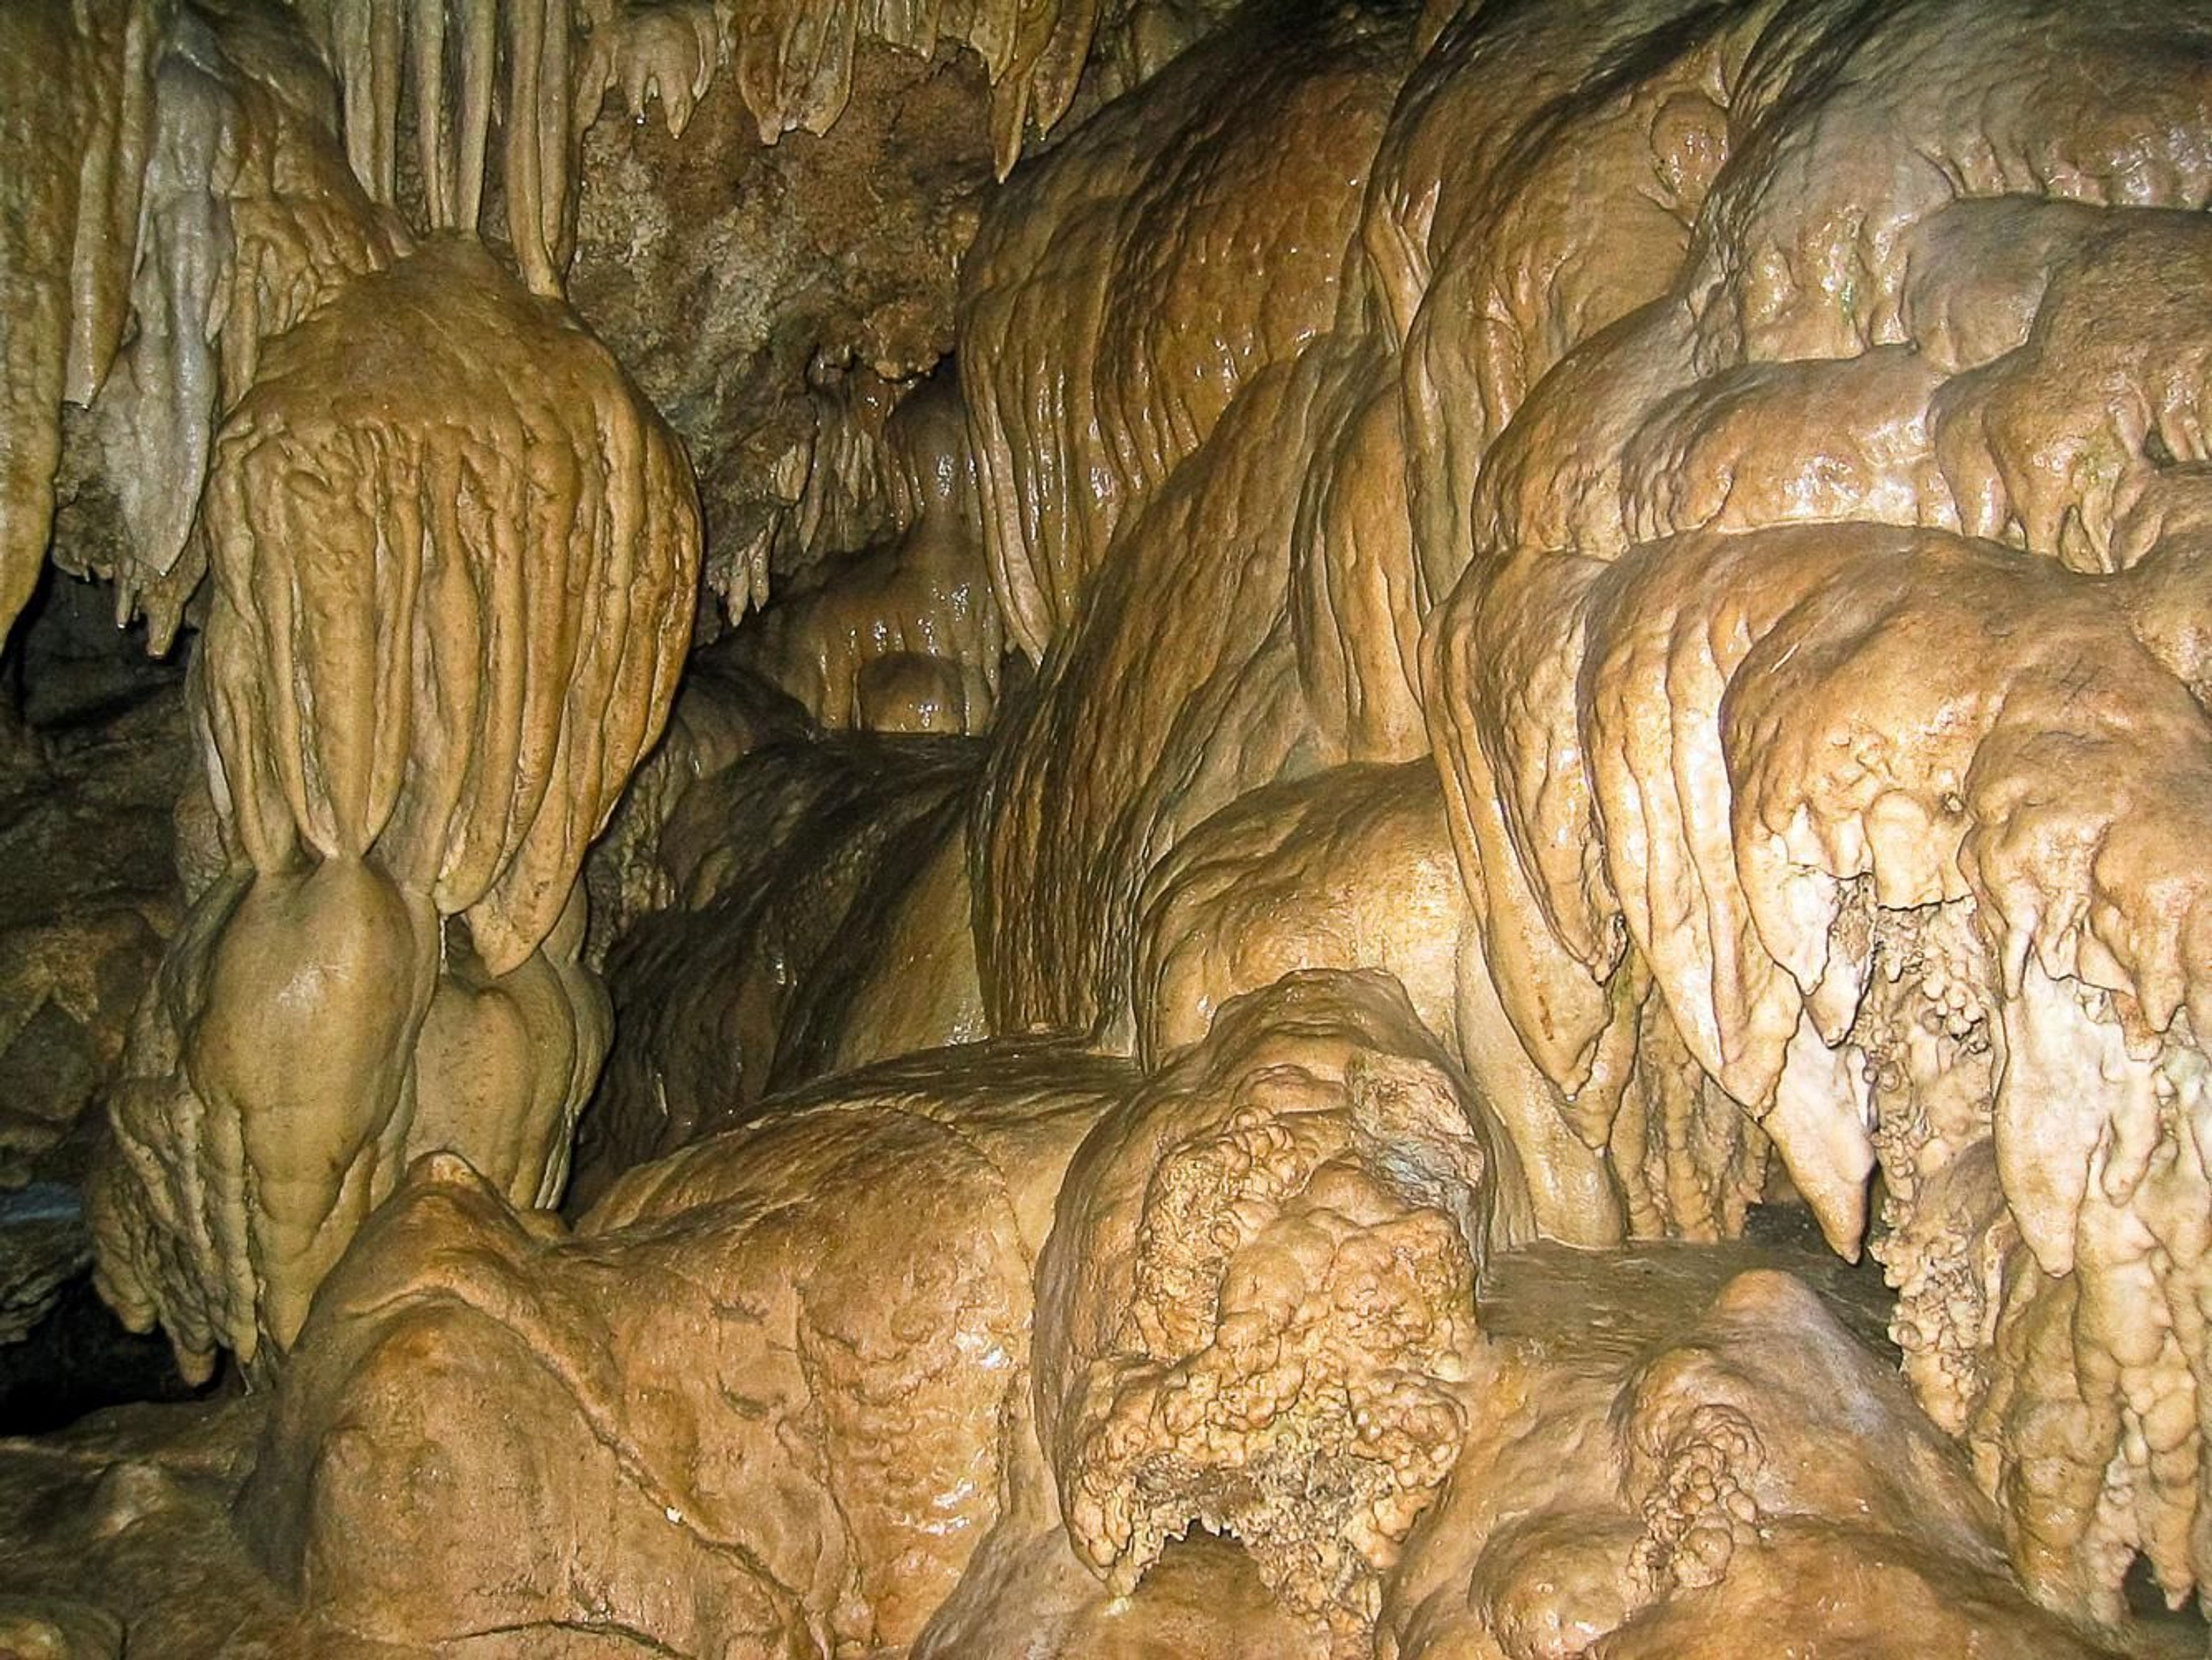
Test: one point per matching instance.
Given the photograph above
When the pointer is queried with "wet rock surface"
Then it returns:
(1432, 883)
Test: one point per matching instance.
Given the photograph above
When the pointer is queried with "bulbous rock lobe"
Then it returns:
(455, 554)
(1258, 1297)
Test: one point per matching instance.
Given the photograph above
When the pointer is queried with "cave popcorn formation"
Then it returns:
(1612, 604)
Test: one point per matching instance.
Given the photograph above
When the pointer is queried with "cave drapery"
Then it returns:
(1075, 827)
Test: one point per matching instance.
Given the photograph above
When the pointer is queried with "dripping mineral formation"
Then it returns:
(1432, 882)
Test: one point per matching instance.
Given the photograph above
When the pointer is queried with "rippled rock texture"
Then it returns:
(1426, 642)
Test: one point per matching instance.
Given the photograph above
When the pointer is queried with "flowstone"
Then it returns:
(1363, 723)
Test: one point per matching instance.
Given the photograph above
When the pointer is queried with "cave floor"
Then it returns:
(116, 1538)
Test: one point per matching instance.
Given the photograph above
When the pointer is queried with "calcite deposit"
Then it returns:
(905, 636)
(1429, 880)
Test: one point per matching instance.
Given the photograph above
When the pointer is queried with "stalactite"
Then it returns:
(544, 67)
(77, 133)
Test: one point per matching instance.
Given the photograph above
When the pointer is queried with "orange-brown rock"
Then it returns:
(776, 1377)
(1613, 609)
(452, 592)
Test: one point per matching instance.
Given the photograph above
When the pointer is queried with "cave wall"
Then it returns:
(1423, 638)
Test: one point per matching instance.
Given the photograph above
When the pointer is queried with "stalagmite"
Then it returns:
(906, 637)
(863, 1442)
(451, 593)
(1257, 1299)
(827, 1446)
(1738, 1473)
